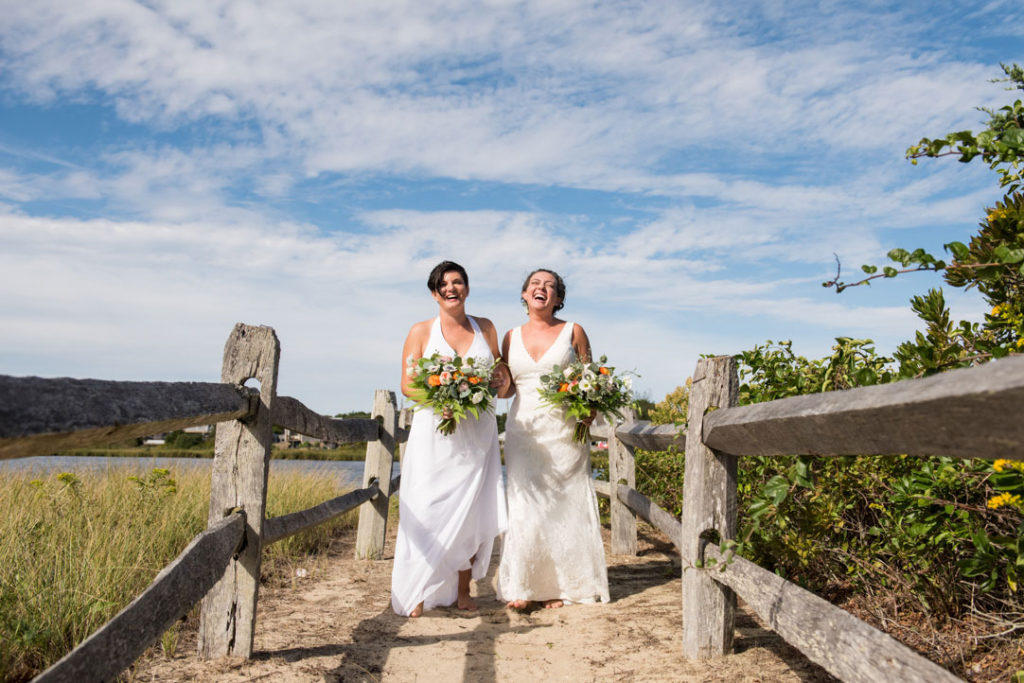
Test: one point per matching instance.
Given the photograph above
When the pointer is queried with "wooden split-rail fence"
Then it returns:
(970, 413)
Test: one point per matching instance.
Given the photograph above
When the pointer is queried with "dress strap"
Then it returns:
(437, 342)
(517, 339)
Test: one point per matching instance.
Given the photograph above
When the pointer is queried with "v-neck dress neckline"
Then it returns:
(472, 342)
(553, 344)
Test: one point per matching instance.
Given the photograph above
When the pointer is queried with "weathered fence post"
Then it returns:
(373, 514)
(621, 470)
(709, 508)
(239, 480)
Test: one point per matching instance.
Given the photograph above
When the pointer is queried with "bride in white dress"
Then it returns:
(552, 552)
(451, 503)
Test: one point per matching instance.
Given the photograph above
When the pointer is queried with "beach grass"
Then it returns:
(77, 548)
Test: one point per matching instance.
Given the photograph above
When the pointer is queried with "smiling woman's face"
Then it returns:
(451, 289)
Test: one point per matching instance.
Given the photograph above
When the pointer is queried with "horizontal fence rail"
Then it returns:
(644, 435)
(41, 415)
(278, 528)
(646, 509)
(961, 413)
(291, 414)
(180, 585)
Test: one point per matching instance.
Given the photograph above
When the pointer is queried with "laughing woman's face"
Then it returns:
(541, 291)
(452, 290)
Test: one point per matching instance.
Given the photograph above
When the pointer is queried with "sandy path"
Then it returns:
(335, 624)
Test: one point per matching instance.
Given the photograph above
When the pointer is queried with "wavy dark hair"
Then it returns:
(559, 286)
(437, 274)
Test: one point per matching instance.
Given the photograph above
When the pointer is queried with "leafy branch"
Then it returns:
(1000, 145)
(925, 262)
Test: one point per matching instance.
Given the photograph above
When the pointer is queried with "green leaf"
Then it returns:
(759, 507)
(1012, 136)
(889, 271)
(958, 249)
(1012, 256)
(900, 255)
(777, 488)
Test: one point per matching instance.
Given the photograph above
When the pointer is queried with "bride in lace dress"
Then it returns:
(451, 504)
(552, 551)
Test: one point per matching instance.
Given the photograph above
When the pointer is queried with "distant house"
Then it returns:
(295, 440)
(161, 439)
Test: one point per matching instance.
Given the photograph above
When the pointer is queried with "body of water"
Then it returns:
(345, 472)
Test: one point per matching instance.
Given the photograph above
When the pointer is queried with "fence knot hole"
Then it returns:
(706, 536)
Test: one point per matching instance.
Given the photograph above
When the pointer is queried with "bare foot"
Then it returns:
(416, 611)
(465, 576)
(517, 604)
(553, 604)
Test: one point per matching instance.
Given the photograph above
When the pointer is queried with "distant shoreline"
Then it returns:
(356, 451)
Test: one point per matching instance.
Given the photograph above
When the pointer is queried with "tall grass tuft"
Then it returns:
(77, 548)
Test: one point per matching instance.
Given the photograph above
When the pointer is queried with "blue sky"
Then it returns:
(170, 168)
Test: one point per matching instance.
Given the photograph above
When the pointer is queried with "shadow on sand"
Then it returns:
(373, 639)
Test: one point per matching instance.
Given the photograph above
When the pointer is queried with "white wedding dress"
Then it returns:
(552, 549)
(451, 502)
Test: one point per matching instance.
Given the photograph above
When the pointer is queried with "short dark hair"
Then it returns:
(559, 285)
(437, 274)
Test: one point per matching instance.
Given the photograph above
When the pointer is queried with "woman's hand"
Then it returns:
(502, 380)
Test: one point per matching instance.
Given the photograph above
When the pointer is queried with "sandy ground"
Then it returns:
(336, 624)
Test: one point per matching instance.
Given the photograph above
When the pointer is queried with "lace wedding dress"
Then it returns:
(451, 503)
(552, 549)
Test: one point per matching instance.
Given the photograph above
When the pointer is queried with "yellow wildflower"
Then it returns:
(1001, 465)
(1004, 499)
(996, 214)
(996, 310)
(1020, 343)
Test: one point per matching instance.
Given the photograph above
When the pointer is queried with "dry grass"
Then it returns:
(78, 548)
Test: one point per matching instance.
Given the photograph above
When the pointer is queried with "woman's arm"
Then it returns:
(580, 343)
(414, 343)
(502, 379)
(509, 390)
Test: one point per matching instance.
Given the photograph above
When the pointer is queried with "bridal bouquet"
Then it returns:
(582, 388)
(451, 383)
